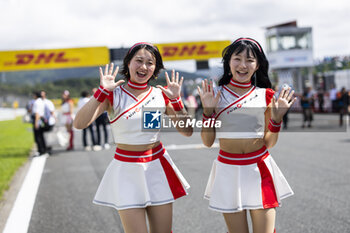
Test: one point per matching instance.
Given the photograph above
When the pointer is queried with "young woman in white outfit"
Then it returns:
(245, 176)
(142, 179)
(67, 108)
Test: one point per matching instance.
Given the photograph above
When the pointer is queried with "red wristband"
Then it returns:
(177, 104)
(274, 127)
(101, 94)
(205, 118)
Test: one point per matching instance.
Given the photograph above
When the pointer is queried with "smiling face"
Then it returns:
(142, 66)
(242, 66)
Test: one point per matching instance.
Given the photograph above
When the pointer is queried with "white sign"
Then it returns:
(290, 59)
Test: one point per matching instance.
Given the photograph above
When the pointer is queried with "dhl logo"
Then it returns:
(186, 50)
(201, 50)
(53, 58)
(41, 58)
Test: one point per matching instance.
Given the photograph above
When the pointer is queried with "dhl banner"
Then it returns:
(53, 58)
(202, 50)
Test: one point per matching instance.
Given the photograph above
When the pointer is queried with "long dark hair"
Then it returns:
(132, 51)
(261, 77)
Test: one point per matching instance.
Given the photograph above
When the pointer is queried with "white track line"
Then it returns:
(19, 218)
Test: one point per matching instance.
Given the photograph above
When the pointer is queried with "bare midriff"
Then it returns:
(142, 147)
(241, 146)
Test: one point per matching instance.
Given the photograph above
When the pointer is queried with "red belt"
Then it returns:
(243, 159)
(139, 156)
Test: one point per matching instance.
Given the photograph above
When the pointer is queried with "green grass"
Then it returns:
(16, 141)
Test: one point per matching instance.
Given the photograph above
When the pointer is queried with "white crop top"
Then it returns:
(126, 117)
(242, 116)
(65, 107)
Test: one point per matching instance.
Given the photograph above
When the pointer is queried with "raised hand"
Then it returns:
(208, 98)
(174, 86)
(281, 105)
(107, 78)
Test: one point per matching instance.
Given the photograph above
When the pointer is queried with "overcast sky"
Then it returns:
(42, 24)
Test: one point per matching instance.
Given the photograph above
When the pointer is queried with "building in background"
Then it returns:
(289, 49)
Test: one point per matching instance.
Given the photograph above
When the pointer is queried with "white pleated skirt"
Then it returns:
(245, 181)
(140, 179)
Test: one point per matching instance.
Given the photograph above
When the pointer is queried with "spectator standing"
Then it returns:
(37, 111)
(320, 98)
(101, 121)
(285, 116)
(306, 103)
(333, 97)
(67, 117)
(82, 101)
(192, 105)
(49, 114)
(49, 118)
(343, 103)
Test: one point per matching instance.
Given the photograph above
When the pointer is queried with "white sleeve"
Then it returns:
(50, 106)
(34, 107)
(39, 107)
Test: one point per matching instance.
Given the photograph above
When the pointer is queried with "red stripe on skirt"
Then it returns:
(269, 197)
(174, 182)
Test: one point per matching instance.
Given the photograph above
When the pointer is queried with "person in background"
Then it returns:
(199, 109)
(333, 97)
(38, 110)
(320, 99)
(67, 108)
(29, 106)
(285, 116)
(327, 106)
(101, 121)
(343, 103)
(192, 105)
(306, 103)
(348, 110)
(49, 116)
(82, 101)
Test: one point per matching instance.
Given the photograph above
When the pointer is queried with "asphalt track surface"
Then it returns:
(314, 161)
